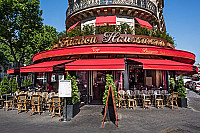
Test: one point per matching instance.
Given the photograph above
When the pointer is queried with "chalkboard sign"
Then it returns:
(65, 89)
(110, 108)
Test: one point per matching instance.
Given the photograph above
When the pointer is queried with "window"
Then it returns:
(149, 73)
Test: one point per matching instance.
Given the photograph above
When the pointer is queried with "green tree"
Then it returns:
(2, 59)
(109, 81)
(12, 85)
(19, 20)
(4, 86)
(75, 97)
(43, 40)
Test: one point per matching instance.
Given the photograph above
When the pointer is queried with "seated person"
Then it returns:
(37, 86)
(48, 87)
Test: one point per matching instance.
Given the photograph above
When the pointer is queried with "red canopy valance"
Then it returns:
(96, 64)
(13, 71)
(43, 67)
(111, 20)
(144, 23)
(73, 26)
(158, 64)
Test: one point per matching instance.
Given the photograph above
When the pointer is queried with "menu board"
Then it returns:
(65, 89)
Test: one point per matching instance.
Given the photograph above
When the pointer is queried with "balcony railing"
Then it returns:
(82, 4)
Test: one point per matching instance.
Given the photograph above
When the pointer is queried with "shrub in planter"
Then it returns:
(4, 86)
(73, 103)
(182, 100)
(109, 81)
(172, 85)
(13, 85)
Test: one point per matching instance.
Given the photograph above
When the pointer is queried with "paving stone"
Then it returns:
(182, 120)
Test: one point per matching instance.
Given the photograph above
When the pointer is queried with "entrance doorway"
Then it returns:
(99, 78)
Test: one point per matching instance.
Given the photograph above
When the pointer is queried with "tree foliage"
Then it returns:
(19, 20)
(109, 81)
(43, 40)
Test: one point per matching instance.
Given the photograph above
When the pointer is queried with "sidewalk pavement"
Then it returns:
(183, 120)
(193, 100)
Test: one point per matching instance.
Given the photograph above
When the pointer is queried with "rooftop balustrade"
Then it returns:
(78, 5)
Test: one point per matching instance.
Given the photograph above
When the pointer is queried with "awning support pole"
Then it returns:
(126, 83)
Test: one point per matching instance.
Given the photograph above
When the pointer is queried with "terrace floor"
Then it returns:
(89, 119)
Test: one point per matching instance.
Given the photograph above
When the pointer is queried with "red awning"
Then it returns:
(73, 26)
(144, 23)
(158, 64)
(111, 20)
(13, 71)
(96, 64)
(43, 67)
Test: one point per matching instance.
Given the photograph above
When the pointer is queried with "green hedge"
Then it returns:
(123, 29)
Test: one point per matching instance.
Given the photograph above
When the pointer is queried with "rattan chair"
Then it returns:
(44, 99)
(1, 101)
(8, 104)
(173, 99)
(122, 99)
(146, 101)
(22, 103)
(56, 106)
(36, 104)
(131, 101)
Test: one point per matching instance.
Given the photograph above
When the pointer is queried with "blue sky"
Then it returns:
(182, 20)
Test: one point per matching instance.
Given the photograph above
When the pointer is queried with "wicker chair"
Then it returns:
(22, 103)
(1, 101)
(56, 106)
(122, 99)
(173, 99)
(36, 104)
(8, 104)
(131, 101)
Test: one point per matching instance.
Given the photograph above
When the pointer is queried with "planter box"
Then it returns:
(72, 110)
(182, 102)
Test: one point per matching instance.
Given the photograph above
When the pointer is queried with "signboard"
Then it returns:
(110, 108)
(65, 89)
(112, 37)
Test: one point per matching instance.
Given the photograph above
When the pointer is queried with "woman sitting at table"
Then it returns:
(48, 87)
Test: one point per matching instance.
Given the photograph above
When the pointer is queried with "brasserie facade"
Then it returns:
(135, 61)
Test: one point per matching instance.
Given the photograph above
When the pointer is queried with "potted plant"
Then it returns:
(172, 85)
(73, 103)
(13, 85)
(182, 100)
(4, 86)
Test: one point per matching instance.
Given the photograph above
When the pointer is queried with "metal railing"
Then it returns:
(82, 4)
